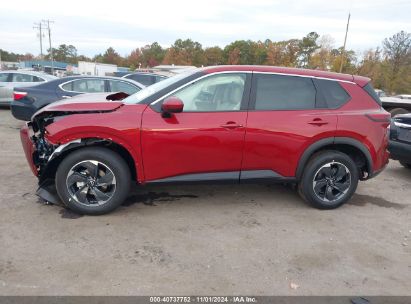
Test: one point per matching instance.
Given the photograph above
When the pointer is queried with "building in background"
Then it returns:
(96, 69)
(59, 67)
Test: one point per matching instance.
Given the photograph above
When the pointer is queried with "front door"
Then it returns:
(205, 141)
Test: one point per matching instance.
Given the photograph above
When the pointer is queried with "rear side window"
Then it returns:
(147, 80)
(330, 94)
(370, 90)
(37, 79)
(278, 92)
(122, 86)
(85, 86)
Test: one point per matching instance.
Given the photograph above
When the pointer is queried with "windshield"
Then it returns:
(150, 90)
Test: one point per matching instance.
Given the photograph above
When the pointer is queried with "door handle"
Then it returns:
(231, 125)
(318, 122)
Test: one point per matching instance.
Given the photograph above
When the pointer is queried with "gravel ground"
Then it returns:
(210, 240)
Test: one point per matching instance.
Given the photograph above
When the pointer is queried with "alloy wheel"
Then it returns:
(332, 181)
(91, 183)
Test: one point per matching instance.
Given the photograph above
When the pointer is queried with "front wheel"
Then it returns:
(93, 180)
(329, 180)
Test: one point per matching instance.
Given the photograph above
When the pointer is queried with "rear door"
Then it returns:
(285, 117)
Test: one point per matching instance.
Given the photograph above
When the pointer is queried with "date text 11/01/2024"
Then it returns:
(203, 299)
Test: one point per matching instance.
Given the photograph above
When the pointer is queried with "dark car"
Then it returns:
(28, 100)
(400, 139)
(240, 124)
(146, 78)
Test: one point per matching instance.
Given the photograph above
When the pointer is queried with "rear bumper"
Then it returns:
(400, 150)
(28, 147)
(21, 110)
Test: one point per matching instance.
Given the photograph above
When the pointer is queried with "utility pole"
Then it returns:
(345, 41)
(38, 26)
(47, 26)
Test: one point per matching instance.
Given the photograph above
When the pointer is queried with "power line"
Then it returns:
(46, 24)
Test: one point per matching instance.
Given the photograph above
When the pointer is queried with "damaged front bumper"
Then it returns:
(36, 148)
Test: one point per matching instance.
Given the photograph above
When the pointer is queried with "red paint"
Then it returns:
(189, 142)
(172, 105)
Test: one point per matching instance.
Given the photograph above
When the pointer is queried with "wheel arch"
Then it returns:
(62, 151)
(352, 147)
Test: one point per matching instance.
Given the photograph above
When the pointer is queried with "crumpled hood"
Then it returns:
(93, 102)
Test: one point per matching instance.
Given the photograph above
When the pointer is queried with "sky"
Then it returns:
(93, 26)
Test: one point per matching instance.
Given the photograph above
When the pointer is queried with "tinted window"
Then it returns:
(85, 86)
(22, 78)
(159, 78)
(3, 77)
(122, 86)
(277, 92)
(142, 78)
(37, 79)
(222, 92)
(330, 94)
(370, 90)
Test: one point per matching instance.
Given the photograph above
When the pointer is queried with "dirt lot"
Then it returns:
(255, 240)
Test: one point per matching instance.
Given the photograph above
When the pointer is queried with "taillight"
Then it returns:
(19, 95)
(383, 117)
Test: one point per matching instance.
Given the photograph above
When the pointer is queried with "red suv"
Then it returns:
(240, 124)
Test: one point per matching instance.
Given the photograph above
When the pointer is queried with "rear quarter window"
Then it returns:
(330, 94)
(370, 90)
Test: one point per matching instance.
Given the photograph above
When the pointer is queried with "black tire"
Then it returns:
(397, 111)
(406, 165)
(314, 174)
(108, 164)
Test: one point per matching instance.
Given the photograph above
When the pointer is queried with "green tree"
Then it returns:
(64, 53)
(213, 56)
(307, 46)
(397, 51)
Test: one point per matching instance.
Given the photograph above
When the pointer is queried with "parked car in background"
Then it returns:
(236, 124)
(396, 105)
(400, 139)
(11, 79)
(403, 96)
(28, 100)
(380, 93)
(146, 78)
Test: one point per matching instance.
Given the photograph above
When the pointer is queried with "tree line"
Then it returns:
(388, 65)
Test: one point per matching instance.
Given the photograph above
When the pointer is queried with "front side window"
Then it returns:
(22, 78)
(215, 93)
(278, 92)
(85, 86)
(122, 86)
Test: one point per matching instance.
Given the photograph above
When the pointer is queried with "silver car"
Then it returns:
(11, 79)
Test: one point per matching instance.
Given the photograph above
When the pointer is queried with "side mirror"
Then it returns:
(172, 105)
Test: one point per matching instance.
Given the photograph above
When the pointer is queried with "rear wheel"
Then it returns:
(93, 181)
(406, 165)
(329, 180)
(397, 111)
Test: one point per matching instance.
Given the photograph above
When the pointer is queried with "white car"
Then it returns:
(11, 79)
